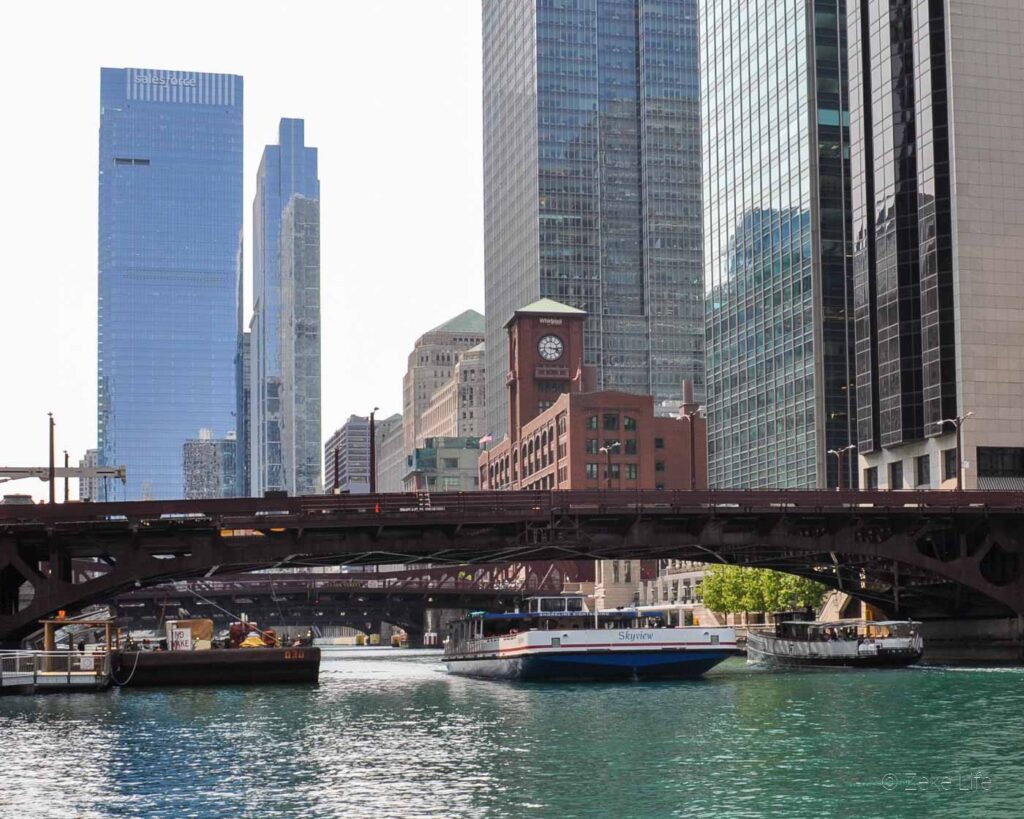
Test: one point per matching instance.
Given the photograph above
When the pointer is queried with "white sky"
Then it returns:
(390, 91)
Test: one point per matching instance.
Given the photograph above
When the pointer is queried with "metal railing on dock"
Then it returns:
(54, 670)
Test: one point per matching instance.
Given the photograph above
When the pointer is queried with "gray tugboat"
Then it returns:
(792, 641)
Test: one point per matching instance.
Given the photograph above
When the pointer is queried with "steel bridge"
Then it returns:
(354, 598)
(923, 554)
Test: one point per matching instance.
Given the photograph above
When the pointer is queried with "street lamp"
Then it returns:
(839, 457)
(373, 452)
(607, 450)
(957, 423)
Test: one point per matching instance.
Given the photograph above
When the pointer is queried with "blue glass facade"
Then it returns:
(286, 170)
(777, 247)
(170, 217)
(592, 184)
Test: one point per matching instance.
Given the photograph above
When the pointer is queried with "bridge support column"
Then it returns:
(10, 586)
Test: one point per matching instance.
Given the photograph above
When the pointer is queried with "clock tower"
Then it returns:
(545, 359)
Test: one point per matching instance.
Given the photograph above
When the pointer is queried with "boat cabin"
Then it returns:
(852, 630)
(561, 613)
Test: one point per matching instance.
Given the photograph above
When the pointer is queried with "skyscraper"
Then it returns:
(778, 281)
(170, 214)
(286, 170)
(592, 184)
(938, 230)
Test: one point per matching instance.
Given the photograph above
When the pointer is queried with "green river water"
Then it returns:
(388, 733)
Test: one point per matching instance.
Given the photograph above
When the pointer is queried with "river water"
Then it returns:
(388, 733)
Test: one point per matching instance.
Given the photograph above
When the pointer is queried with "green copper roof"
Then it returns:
(548, 307)
(468, 322)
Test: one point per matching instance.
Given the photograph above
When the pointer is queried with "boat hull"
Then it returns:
(768, 651)
(235, 666)
(592, 666)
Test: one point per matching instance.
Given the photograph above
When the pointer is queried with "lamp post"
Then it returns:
(957, 423)
(373, 452)
(607, 450)
(839, 457)
(692, 416)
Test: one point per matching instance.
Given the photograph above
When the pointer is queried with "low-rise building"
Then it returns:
(443, 465)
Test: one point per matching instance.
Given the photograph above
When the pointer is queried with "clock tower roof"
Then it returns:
(546, 307)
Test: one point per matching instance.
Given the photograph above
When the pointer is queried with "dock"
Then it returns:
(37, 672)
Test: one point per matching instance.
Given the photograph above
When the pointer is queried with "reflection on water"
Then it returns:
(389, 734)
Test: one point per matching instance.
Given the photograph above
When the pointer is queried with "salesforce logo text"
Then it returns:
(149, 79)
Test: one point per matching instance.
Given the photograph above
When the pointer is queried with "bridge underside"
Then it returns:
(910, 560)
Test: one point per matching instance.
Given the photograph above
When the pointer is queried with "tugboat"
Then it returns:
(792, 641)
(558, 639)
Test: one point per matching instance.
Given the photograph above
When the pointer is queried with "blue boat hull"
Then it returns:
(593, 666)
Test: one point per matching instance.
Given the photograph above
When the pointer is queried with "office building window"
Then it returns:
(923, 470)
(949, 463)
(871, 477)
(1000, 462)
(896, 475)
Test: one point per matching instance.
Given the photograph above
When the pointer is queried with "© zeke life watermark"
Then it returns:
(913, 782)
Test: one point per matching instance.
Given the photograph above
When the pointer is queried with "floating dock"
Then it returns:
(37, 672)
(227, 666)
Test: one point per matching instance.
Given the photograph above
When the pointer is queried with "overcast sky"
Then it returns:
(390, 91)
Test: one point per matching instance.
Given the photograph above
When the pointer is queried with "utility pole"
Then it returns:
(607, 450)
(52, 476)
(373, 452)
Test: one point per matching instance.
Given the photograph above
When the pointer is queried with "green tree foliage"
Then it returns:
(737, 589)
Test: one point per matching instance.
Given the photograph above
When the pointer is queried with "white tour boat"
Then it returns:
(865, 643)
(557, 639)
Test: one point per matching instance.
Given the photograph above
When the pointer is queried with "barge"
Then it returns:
(557, 639)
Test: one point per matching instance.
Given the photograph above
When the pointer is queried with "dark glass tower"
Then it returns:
(592, 184)
(286, 170)
(170, 216)
(778, 302)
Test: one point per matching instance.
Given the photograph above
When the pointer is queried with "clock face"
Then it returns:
(550, 348)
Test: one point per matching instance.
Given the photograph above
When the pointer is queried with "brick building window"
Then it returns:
(629, 424)
(611, 420)
(630, 446)
(631, 472)
(592, 446)
(592, 471)
(659, 443)
(592, 422)
(659, 466)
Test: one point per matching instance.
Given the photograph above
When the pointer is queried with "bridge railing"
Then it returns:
(53, 667)
(258, 513)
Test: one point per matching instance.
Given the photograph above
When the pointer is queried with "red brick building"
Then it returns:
(564, 435)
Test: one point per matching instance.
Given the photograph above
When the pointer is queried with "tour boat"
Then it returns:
(557, 639)
(865, 643)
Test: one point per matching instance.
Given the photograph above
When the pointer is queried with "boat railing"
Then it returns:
(40, 668)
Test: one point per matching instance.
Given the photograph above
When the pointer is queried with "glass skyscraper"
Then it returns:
(170, 216)
(778, 300)
(287, 170)
(591, 130)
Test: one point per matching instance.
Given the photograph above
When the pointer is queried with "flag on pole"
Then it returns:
(487, 438)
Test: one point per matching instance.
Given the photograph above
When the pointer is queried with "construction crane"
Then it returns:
(52, 472)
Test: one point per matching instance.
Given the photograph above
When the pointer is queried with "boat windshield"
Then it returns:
(857, 630)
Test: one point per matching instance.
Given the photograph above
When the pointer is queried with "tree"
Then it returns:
(738, 589)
